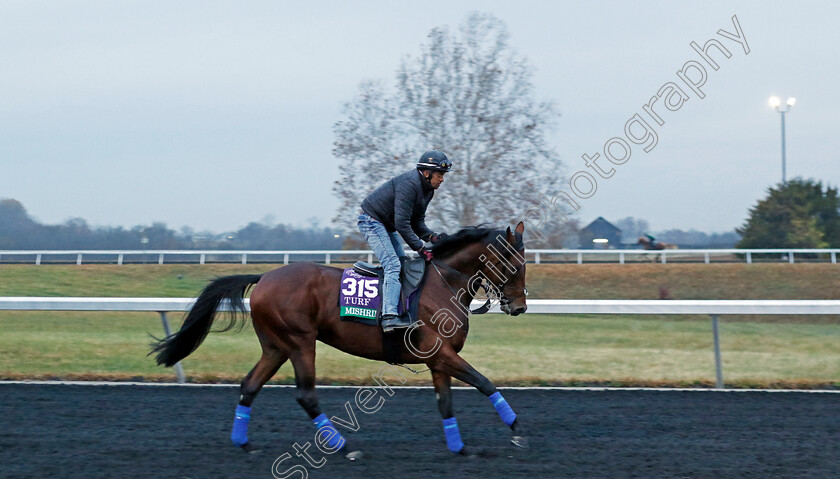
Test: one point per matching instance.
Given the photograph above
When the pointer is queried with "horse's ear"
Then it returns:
(510, 238)
(520, 228)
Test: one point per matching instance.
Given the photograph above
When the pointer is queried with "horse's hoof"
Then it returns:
(468, 453)
(474, 453)
(518, 437)
(354, 455)
(519, 441)
(250, 448)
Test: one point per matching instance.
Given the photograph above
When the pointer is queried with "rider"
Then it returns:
(399, 206)
(651, 238)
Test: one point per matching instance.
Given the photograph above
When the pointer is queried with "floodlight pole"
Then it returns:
(784, 174)
(775, 102)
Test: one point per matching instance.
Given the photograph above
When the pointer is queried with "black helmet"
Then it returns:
(434, 160)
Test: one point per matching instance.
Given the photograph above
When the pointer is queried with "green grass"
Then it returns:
(572, 281)
(633, 349)
(532, 349)
(113, 280)
(686, 281)
(539, 349)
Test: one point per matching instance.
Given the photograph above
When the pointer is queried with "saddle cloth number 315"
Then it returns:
(360, 287)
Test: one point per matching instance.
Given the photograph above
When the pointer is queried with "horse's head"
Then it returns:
(493, 255)
(513, 291)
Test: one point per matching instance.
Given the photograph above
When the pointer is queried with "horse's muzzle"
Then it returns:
(506, 308)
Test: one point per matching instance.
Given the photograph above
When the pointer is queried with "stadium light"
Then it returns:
(776, 103)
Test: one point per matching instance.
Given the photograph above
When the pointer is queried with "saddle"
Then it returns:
(411, 272)
(361, 294)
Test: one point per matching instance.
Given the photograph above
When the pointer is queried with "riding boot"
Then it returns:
(391, 322)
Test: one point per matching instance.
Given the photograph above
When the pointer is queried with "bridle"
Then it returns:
(490, 289)
(481, 309)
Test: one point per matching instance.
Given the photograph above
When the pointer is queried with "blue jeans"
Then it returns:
(386, 246)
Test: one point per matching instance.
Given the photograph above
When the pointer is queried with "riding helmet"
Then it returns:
(434, 160)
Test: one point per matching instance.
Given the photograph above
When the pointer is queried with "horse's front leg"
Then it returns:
(453, 365)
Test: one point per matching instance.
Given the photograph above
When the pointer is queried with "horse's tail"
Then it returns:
(176, 347)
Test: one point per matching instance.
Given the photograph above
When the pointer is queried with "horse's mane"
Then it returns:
(468, 235)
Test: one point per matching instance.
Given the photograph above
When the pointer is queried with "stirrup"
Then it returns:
(391, 322)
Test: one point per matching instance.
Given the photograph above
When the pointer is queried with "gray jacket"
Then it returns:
(400, 205)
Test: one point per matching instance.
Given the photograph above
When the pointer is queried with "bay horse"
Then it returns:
(660, 245)
(294, 306)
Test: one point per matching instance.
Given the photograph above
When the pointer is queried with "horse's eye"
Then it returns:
(526, 291)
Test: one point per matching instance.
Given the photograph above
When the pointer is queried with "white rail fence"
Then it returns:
(537, 256)
(713, 308)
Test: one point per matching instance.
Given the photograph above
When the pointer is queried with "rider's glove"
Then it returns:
(424, 253)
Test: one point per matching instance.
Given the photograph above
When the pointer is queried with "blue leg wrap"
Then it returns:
(335, 441)
(503, 408)
(453, 435)
(239, 434)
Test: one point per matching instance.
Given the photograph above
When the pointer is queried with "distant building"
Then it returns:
(600, 234)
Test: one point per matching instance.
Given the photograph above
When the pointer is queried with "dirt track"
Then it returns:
(182, 432)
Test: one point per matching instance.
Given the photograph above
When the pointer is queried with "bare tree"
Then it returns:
(469, 95)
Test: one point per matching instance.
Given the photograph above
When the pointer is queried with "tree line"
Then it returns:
(797, 214)
(19, 231)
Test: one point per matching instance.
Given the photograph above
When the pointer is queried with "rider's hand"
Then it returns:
(426, 254)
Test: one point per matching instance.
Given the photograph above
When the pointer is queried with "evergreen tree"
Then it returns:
(797, 214)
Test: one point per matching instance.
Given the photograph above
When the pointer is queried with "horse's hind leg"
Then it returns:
(265, 368)
(303, 361)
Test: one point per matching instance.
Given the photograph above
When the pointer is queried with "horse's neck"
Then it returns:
(466, 263)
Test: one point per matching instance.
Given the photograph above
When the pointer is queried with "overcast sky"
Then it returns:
(215, 114)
